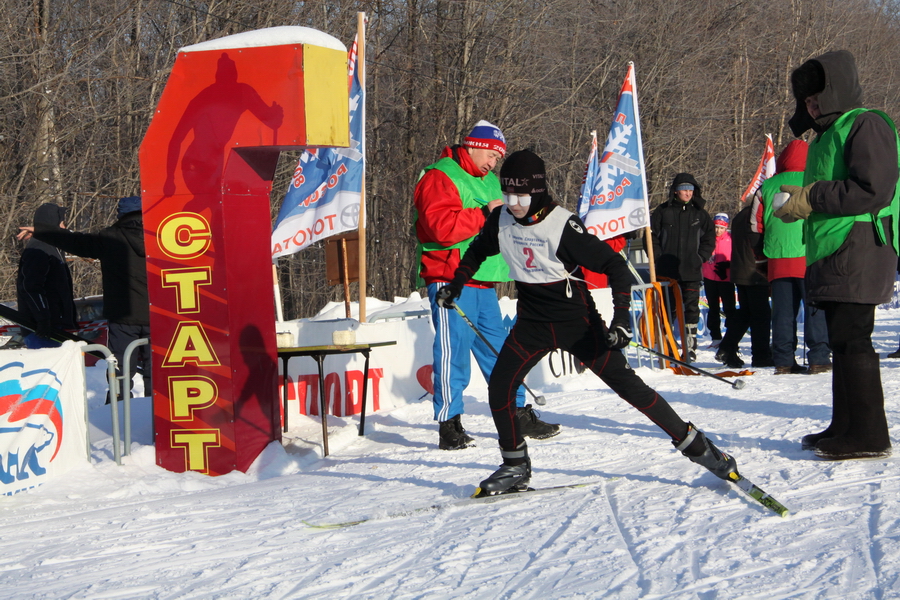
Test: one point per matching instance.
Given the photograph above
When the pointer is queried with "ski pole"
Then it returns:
(736, 384)
(539, 400)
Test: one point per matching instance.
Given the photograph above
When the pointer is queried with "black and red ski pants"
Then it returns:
(584, 338)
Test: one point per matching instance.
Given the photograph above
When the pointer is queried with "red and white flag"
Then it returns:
(765, 170)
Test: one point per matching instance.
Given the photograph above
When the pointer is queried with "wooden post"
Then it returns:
(279, 307)
(345, 275)
(648, 247)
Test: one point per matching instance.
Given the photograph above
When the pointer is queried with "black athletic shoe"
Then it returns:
(531, 426)
(453, 436)
(697, 447)
(730, 359)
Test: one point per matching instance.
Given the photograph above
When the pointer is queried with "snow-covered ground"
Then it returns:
(650, 525)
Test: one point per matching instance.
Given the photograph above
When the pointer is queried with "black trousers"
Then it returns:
(584, 338)
(718, 292)
(120, 335)
(754, 314)
(850, 327)
(690, 298)
(690, 293)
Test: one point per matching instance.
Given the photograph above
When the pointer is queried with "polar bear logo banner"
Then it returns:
(42, 427)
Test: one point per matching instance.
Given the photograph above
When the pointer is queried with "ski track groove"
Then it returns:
(382, 579)
(624, 538)
(874, 545)
(523, 579)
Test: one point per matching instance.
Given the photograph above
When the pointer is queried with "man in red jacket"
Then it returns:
(784, 247)
(453, 198)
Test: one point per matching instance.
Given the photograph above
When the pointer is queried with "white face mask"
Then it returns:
(523, 200)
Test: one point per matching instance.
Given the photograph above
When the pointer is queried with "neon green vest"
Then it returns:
(825, 233)
(475, 192)
(781, 240)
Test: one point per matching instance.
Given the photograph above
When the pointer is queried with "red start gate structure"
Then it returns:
(230, 106)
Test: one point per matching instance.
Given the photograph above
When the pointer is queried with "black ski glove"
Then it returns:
(446, 296)
(619, 333)
(44, 328)
(721, 269)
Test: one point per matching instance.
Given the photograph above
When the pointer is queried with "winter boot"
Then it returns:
(867, 433)
(729, 358)
(894, 354)
(531, 426)
(452, 435)
(512, 476)
(794, 369)
(840, 416)
(697, 447)
(690, 332)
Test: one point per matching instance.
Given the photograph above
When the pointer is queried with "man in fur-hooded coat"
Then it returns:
(849, 200)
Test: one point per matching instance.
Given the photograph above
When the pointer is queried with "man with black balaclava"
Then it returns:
(546, 247)
(123, 267)
(44, 282)
(684, 238)
(849, 199)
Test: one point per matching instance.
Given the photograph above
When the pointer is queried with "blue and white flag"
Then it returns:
(324, 195)
(614, 193)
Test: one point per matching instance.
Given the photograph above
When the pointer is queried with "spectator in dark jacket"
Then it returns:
(44, 283)
(850, 201)
(684, 238)
(120, 249)
(748, 272)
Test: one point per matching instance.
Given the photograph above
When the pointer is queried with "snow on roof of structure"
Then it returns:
(272, 36)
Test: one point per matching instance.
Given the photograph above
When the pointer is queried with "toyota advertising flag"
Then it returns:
(324, 196)
(614, 194)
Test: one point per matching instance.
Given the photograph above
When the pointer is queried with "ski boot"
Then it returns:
(531, 426)
(453, 436)
(512, 476)
(691, 331)
(697, 447)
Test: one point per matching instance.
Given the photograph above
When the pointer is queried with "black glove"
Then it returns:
(619, 333)
(44, 328)
(447, 294)
(721, 269)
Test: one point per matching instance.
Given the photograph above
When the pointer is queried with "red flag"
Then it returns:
(765, 170)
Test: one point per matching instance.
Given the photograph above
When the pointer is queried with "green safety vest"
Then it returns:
(825, 233)
(781, 240)
(475, 192)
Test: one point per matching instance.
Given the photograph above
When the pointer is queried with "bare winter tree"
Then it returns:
(79, 82)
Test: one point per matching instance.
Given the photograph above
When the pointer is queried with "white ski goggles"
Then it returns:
(523, 200)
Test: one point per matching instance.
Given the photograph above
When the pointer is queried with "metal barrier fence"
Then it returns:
(637, 307)
(117, 387)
